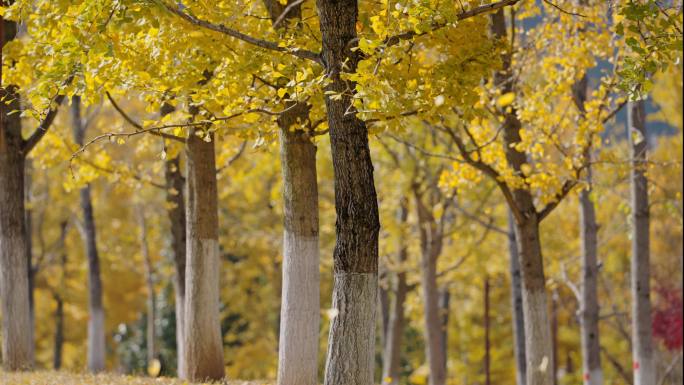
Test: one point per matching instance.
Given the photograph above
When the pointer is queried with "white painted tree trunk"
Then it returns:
(538, 346)
(642, 337)
(395, 329)
(516, 304)
(351, 359)
(203, 344)
(96, 327)
(175, 185)
(300, 309)
(96, 340)
(589, 306)
(151, 337)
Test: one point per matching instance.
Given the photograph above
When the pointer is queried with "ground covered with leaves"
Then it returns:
(65, 378)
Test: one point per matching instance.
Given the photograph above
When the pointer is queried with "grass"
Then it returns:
(66, 378)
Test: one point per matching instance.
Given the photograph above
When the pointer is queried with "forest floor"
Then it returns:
(66, 378)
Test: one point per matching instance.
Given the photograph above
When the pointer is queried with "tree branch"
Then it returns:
(139, 126)
(487, 170)
(300, 53)
(394, 40)
(45, 124)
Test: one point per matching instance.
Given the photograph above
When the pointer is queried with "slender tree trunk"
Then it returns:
(516, 304)
(96, 331)
(642, 339)
(175, 199)
(176, 214)
(384, 306)
(395, 328)
(487, 362)
(28, 222)
(554, 335)
(203, 344)
(14, 285)
(589, 306)
(444, 311)
(149, 282)
(59, 299)
(351, 343)
(431, 245)
(538, 343)
(300, 309)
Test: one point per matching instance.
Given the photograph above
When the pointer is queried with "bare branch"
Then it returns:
(287, 10)
(563, 10)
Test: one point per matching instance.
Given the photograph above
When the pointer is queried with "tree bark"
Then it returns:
(538, 343)
(151, 337)
(487, 362)
(351, 343)
(32, 270)
(300, 299)
(431, 248)
(175, 199)
(516, 304)
(589, 306)
(642, 339)
(14, 285)
(96, 328)
(383, 306)
(59, 299)
(203, 344)
(395, 327)
(176, 214)
(554, 335)
(300, 309)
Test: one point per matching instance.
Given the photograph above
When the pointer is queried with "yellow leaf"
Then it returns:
(505, 99)
(252, 117)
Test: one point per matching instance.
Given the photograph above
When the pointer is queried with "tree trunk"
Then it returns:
(151, 297)
(203, 344)
(176, 214)
(14, 285)
(59, 299)
(395, 327)
(300, 309)
(642, 339)
(516, 304)
(96, 332)
(538, 341)
(430, 246)
(538, 344)
(28, 222)
(300, 299)
(384, 305)
(554, 335)
(444, 311)
(175, 199)
(487, 362)
(351, 343)
(589, 306)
